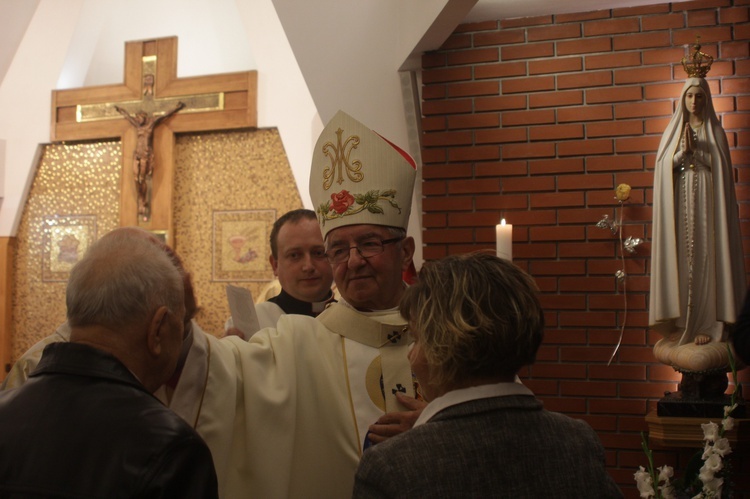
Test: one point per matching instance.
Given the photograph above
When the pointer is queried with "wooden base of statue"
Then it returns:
(670, 432)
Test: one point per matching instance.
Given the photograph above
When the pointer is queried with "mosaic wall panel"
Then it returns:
(74, 197)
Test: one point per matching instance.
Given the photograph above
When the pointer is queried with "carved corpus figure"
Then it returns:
(697, 268)
(143, 158)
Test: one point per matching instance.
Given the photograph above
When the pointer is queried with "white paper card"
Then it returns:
(242, 308)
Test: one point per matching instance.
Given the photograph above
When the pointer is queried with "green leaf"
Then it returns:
(373, 208)
(389, 193)
(360, 199)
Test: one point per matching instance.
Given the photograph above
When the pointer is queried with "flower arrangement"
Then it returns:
(713, 475)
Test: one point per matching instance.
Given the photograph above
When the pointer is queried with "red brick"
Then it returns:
(433, 59)
(642, 75)
(539, 116)
(593, 45)
(641, 10)
(584, 80)
(609, 406)
(473, 88)
(503, 202)
(446, 107)
(542, 387)
(742, 68)
(708, 35)
(662, 56)
(641, 40)
(554, 32)
(556, 132)
(651, 23)
(433, 92)
(444, 75)
(637, 144)
(485, 218)
(561, 65)
(499, 37)
(611, 26)
(534, 84)
(733, 50)
(475, 153)
(701, 18)
(589, 388)
(616, 94)
(643, 109)
(615, 163)
(663, 91)
(733, 15)
(449, 203)
(528, 184)
(643, 179)
(535, 150)
(446, 139)
(568, 267)
(555, 200)
(434, 252)
(434, 188)
(456, 42)
(585, 147)
(547, 166)
(562, 302)
(536, 217)
(453, 170)
(584, 113)
(736, 121)
(743, 103)
(657, 125)
(585, 16)
(558, 371)
(473, 56)
(500, 136)
(610, 129)
(527, 51)
(613, 61)
(723, 105)
(500, 168)
(501, 103)
(566, 405)
(536, 250)
(597, 249)
(446, 235)
(434, 155)
(741, 32)
(587, 181)
(434, 123)
(734, 86)
(434, 220)
(525, 21)
(703, 4)
(556, 99)
(479, 120)
(591, 284)
(501, 70)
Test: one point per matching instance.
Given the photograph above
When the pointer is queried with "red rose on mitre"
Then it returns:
(341, 201)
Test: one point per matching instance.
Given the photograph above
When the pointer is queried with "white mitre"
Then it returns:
(358, 177)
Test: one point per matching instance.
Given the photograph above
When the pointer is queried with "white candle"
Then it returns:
(504, 236)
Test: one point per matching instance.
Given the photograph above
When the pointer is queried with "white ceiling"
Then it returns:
(486, 10)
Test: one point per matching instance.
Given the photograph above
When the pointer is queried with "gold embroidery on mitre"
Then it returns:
(339, 155)
(697, 64)
(342, 204)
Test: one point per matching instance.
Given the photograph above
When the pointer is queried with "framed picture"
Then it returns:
(240, 245)
(65, 239)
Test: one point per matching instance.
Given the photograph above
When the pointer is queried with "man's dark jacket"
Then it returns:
(84, 426)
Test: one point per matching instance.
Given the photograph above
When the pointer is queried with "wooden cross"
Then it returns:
(219, 102)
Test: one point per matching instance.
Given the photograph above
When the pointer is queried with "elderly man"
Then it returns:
(476, 321)
(85, 423)
(299, 262)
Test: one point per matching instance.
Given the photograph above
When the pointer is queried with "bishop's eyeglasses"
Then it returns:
(366, 249)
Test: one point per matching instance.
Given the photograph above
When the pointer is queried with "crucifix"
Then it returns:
(145, 112)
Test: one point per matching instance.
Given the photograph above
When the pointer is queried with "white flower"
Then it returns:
(728, 423)
(712, 488)
(665, 473)
(710, 431)
(728, 410)
(644, 482)
(722, 447)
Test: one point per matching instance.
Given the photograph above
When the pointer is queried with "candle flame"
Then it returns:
(502, 221)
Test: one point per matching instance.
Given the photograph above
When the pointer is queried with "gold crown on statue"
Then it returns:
(697, 64)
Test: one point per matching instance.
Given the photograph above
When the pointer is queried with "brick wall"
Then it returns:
(538, 120)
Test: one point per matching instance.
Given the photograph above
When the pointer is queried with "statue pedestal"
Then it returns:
(670, 432)
(678, 405)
